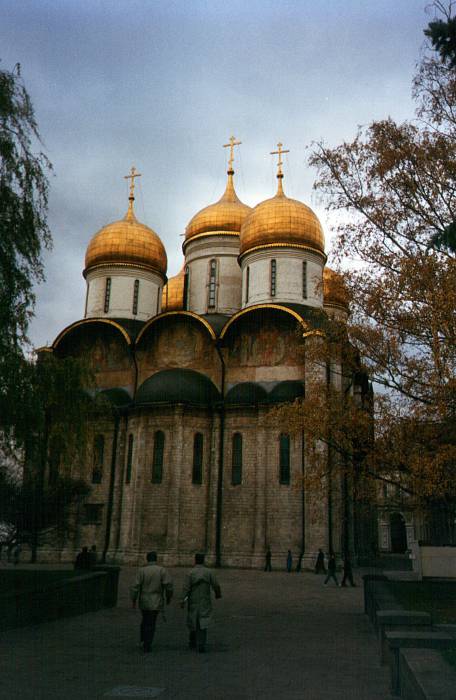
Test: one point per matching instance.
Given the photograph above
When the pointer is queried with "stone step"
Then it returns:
(398, 620)
(397, 640)
(425, 675)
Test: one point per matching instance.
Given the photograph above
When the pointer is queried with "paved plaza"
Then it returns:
(277, 635)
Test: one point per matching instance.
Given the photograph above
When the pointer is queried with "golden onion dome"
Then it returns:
(281, 221)
(334, 290)
(222, 217)
(127, 242)
(173, 293)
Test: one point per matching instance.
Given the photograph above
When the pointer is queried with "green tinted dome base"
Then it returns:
(178, 386)
(246, 393)
(286, 391)
(117, 397)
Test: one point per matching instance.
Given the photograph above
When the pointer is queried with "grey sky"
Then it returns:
(162, 84)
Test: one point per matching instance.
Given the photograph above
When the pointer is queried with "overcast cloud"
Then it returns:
(162, 84)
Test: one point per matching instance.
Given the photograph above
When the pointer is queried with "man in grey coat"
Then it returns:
(197, 594)
(153, 584)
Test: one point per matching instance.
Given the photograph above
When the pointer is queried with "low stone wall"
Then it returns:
(425, 675)
(410, 645)
(67, 597)
(438, 562)
(377, 596)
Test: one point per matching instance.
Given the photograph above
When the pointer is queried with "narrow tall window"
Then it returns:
(98, 459)
(247, 284)
(186, 287)
(273, 277)
(212, 282)
(197, 472)
(157, 459)
(304, 279)
(284, 458)
(159, 296)
(236, 459)
(135, 297)
(129, 459)
(87, 300)
(107, 294)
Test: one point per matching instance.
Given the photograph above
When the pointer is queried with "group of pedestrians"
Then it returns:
(331, 570)
(289, 561)
(153, 588)
(86, 559)
(320, 567)
(153, 591)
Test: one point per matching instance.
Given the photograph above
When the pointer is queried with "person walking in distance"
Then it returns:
(17, 553)
(267, 565)
(196, 594)
(320, 563)
(348, 572)
(153, 584)
(289, 561)
(332, 569)
(83, 559)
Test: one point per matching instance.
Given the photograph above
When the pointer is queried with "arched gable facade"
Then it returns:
(106, 345)
(177, 339)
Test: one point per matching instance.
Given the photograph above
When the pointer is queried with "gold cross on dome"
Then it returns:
(231, 146)
(279, 152)
(131, 177)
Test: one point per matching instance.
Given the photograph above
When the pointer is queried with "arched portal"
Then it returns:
(398, 533)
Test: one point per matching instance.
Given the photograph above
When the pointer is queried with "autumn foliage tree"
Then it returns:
(392, 191)
(442, 31)
(44, 441)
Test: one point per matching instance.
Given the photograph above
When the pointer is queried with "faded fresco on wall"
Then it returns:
(105, 350)
(105, 354)
(264, 346)
(174, 345)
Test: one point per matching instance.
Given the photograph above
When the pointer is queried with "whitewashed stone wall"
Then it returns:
(122, 293)
(289, 277)
(198, 254)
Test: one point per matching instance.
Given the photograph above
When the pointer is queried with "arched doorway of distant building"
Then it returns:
(398, 533)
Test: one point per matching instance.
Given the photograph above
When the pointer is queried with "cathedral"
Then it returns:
(187, 460)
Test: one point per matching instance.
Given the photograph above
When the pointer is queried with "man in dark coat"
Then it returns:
(197, 594)
(289, 561)
(348, 573)
(152, 585)
(83, 559)
(332, 570)
(267, 566)
(320, 563)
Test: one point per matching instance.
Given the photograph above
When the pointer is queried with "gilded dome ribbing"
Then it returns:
(223, 216)
(173, 293)
(334, 290)
(127, 242)
(281, 221)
